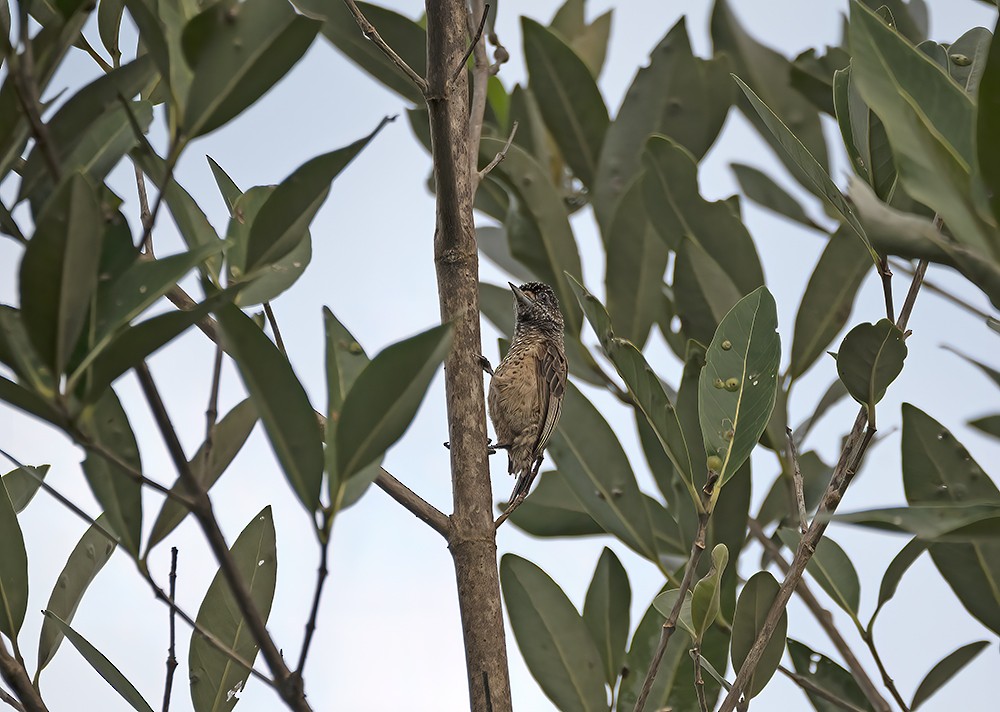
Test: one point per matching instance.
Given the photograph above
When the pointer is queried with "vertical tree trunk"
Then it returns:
(473, 537)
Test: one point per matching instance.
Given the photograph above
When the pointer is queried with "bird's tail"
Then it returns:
(524, 479)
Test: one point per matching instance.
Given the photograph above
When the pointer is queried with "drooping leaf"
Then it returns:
(86, 560)
(869, 359)
(58, 272)
(30, 402)
(703, 292)
(215, 678)
(386, 395)
(737, 387)
(109, 20)
(705, 599)
(22, 484)
(946, 669)
(988, 125)
(248, 49)
(899, 565)
(828, 676)
(606, 612)
(666, 602)
(832, 569)
(13, 569)
(751, 611)
(938, 469)
(553, 638)
(230, 191)
(280, 400)
(761, 188)
(812, 75)
(104, 667)
(941, 521)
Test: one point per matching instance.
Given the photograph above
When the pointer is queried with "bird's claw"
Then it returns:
(485, 363)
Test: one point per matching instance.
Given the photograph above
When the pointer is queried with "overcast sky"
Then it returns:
(389, 635)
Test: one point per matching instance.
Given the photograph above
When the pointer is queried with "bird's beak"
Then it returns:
(520, 296)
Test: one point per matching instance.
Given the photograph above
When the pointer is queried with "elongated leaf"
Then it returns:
(58, 274)
(832, 569)
(86, 560)
(230, 191)
(677, 95)
(988, 125)
(228, 439)
(828, 676)
(929, 121)
(568, 97)
(938, 469)
(606, 612)
(104, 667)
(215, 678)
(819, 180)
(30, 402)
(285, 216)
(281, 401)
(736, 390)
(761, 188)
(812, 75)
(383, 400)
(751, 611)
(23, 483)
(119, 493)
(946, 669)
(553, 510)
(989, 425)
(828, 299)
(665, 603)
(703, 292)
(940, 521)
(705, 600)
(552, 637)
(246, 53)
(899, 565)
(13, 569)
(869, 359)
(109, 20)
(644, 642)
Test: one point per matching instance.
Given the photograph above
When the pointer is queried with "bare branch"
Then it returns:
(947, 296)
(23, 70)
(886, 275)
(699, 683)
(472, 45)
(501, 155)
(423, 510)
(171, 651)
(274, 327)
(321, 574)
(800, 498)
(13, 673)
(10, 700)
(144, 215)
(372, 34)
(480, 81)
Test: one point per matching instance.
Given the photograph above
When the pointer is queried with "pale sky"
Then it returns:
(389, 636)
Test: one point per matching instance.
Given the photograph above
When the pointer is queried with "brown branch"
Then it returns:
(699, 683)
(321, 573)
(808, 685)
(145, 218)
(10, 700)
(417, 505)
(369, 31)
(128, 470)
(670, 625)
(480, 82)
(939, 291)
(289, 686)
(26, 88)
(847, 466)
(171, 650)
(502, 154)
(269, 313)
(886, 276)
(13, 673)
(472, 45)
(887, 680)
(800, 498)
(824, 619)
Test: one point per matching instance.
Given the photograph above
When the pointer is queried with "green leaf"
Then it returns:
(900, 563)
(23, 483)
(988, 125)
(967, 58)
(940, 521)
(812, 76)
(938, 469)
(230, 191)
(544, 241)
(869, 359)
(677, 95)
(109, 21)
(761, 188)
(251, 46)
(828, 299)
(591, 459)
(30, 402)
(816, 176)
(86, 560)
(705, 601)
(286, 214)
(553, 638)
(751, 611)
(58, 274)
(644, 642)
(568, 97)
(832, 569)
(703, 292)
(929, 121)
(828, 676)
(345, 360)
(665, 603)
(101, 664)
(553, 510)
(946, 669)
(119, 493)
(989, 425)
(280, 400)
(590, 42)
(151, 33)
(214, 675)
(606, 612)
(228, 439)
(13, 568)
(385, 397)
(737, 387)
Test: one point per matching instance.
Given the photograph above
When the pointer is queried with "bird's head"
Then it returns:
(536, 307)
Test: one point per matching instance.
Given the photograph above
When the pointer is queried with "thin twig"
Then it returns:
(321, 573)
(26, 88)
(423, 510)
(699, 683)
(99, 449)
(288, 685)
(144, 215)
(824, 619)
(480, 84)
(809, 686)
(886, 275)
(850, 460)
(501, 155)
(10, 700)
(947, 296)
(472, 45)
(274, 327)
(670, 625)
(13, 673)
(800, 498)
(887, 680)
(171, 651)
(372, 34)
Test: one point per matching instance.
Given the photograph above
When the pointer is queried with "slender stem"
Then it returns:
(321, 573)
(670, 625)
(144, 215)
(423, 510)
(800, 498)
(288, 685)
(809, 686)
(372, 34)
(472, 45)
(947, 296)
(26, 88)
(890, 684)
(13, 673)
(824, 619)
(886, 275)
(480, 80)
(274, 327)
(10, 700)
(699, 683)
(171, 651)
(502, 154)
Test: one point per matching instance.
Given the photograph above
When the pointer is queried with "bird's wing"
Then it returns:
(551, 364)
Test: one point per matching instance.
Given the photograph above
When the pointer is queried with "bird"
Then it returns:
(527, 388)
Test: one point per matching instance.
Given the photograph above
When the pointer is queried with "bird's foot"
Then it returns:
(485, 363)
